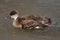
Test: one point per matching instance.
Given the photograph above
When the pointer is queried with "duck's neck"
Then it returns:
(14, 17)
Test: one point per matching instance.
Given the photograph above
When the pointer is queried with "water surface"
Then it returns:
(48, 8)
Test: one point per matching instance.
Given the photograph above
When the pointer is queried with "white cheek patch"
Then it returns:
(14, 16)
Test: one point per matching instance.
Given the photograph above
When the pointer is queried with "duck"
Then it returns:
(29, 21)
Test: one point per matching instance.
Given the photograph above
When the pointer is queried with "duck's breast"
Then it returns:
(17, 25)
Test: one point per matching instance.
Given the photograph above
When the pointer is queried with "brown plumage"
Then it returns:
(29, 21)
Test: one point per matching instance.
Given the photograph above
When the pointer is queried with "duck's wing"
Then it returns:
(29, 23)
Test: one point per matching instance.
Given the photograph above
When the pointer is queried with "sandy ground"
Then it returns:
(48, 8)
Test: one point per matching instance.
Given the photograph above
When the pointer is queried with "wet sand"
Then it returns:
(48, 8)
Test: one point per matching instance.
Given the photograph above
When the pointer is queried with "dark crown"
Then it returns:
(13, 12)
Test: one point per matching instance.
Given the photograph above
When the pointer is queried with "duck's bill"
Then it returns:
(8, 17)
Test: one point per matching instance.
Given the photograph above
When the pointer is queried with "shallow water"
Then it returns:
(49, 8)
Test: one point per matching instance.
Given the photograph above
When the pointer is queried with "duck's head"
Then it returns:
(14, 14)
